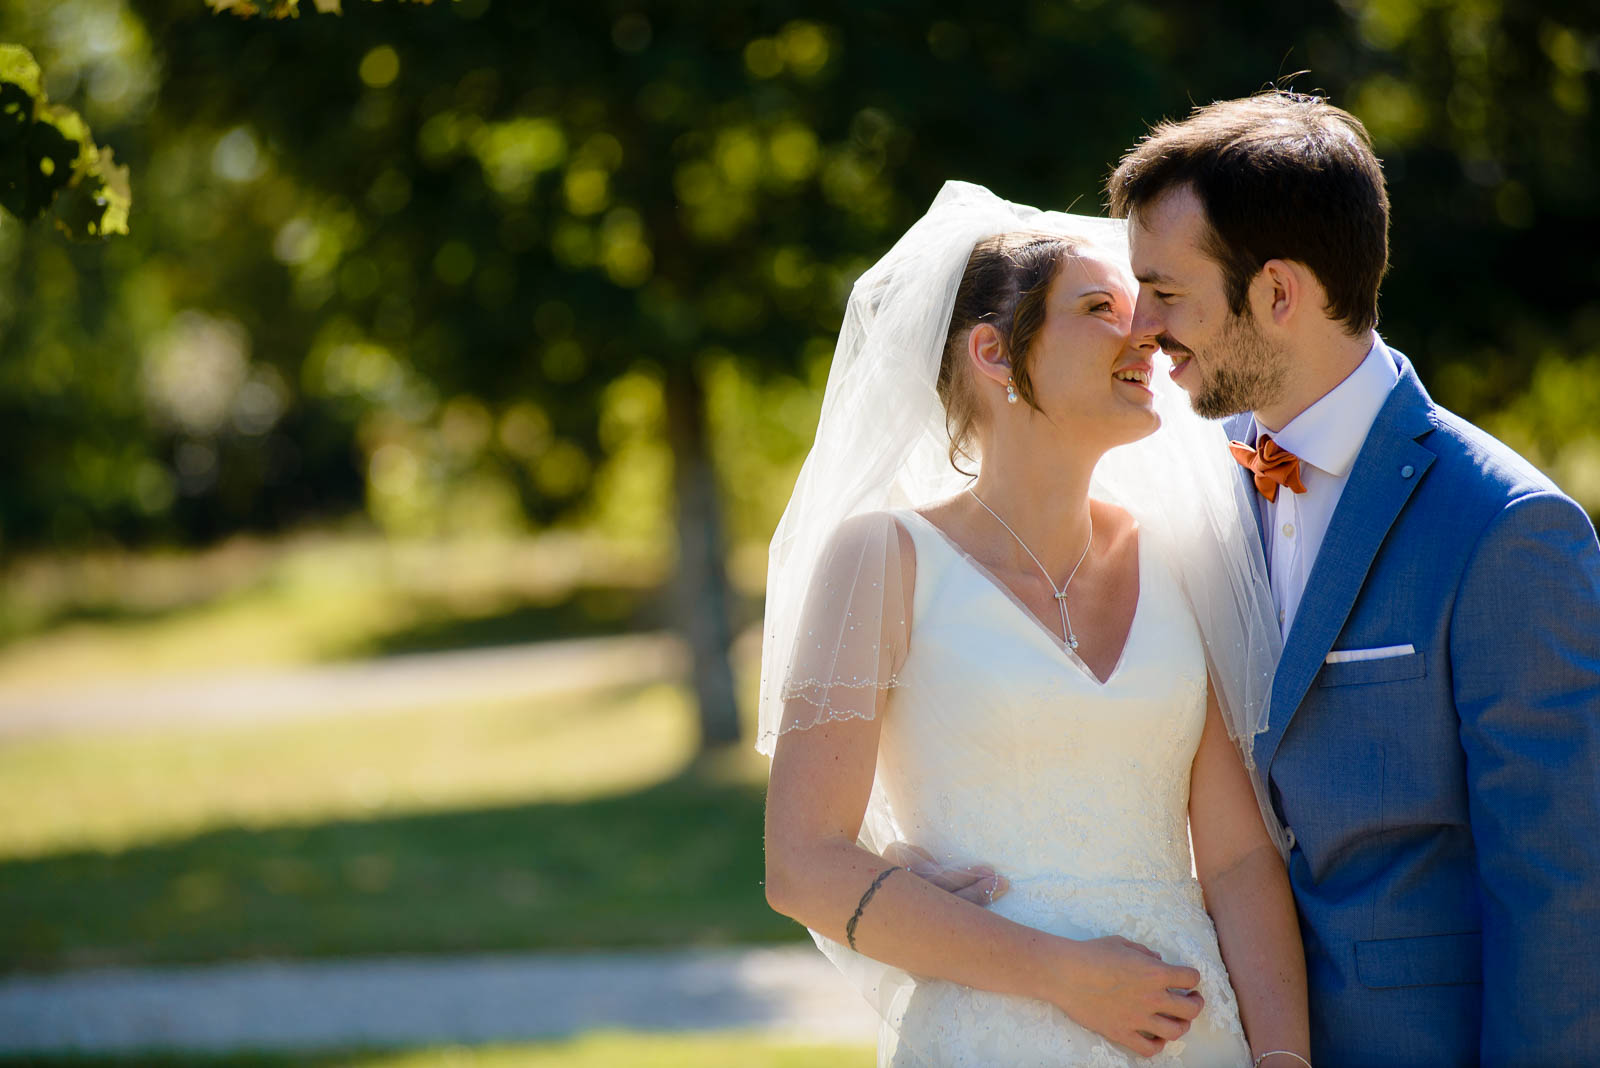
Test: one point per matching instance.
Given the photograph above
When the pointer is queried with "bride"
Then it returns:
(1054, 667)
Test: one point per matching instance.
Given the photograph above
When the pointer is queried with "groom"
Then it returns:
(1434, 740)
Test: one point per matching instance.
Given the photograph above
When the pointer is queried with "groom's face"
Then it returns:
(1220, 359)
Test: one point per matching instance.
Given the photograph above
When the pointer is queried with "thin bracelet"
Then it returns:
(1274, 1052)
(850, 928)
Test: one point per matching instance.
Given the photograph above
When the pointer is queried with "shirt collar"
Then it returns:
(1329, 434)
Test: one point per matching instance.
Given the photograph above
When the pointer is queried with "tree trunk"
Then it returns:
(702, 592)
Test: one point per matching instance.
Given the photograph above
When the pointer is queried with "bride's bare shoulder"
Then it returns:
(942, 513)
(1115, 524)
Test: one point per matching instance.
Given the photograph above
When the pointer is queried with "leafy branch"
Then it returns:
(280, 9)
(49, 161)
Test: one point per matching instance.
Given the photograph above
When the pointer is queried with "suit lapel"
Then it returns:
(1386, 472)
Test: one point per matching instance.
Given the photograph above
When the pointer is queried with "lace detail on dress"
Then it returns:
(950, 1026)
(999, 748)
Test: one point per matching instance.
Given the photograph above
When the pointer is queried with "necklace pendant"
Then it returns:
(1061, 594)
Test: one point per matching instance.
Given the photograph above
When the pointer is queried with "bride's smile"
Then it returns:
(1090, 381)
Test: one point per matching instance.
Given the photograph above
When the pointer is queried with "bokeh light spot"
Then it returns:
(380, 67)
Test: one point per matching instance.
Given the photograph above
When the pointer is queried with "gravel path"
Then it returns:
(413, 680)
(789, 991)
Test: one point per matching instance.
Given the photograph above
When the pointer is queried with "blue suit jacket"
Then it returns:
(1445, 805)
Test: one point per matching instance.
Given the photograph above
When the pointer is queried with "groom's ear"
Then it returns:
(988, 353)
(1282, 290)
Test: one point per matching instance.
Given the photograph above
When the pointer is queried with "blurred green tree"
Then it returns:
(279, 9)
(458, 261)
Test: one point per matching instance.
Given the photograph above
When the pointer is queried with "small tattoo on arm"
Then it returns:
(850, 928)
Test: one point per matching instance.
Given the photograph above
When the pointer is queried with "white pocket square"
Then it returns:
(1346, 656)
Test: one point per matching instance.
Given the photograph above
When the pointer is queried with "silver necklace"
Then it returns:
(1061, 594)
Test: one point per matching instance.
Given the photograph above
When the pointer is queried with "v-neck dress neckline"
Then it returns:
(991, 579)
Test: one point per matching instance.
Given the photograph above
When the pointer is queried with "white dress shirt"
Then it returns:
(1326, 436)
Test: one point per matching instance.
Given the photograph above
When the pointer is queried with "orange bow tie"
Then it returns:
(1271, 464)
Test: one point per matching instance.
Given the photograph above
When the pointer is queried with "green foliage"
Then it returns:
(446, 268)
(281, 9)
(1553, 423)
(49, 161)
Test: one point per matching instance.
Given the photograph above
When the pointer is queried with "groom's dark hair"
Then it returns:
(1281, 175)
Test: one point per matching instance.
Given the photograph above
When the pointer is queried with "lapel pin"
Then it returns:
(1407, 471)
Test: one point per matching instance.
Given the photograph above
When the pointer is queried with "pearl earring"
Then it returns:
(1011, 391)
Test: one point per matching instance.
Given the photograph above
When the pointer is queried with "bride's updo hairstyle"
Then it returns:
(1005, 284)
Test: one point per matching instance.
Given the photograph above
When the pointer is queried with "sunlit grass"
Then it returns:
(583, 822)
(118, 790)
(313, 598)
(580, 821)
(600, 1050)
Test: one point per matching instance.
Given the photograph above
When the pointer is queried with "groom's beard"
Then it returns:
(1239, 371)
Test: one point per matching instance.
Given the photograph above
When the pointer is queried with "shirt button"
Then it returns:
(1288, 530)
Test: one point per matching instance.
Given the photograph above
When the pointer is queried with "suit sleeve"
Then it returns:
(1525, 662)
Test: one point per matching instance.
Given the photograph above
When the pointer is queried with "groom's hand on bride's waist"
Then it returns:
(977, 883)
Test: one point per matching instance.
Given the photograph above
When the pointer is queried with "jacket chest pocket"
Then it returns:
(1393, 702)
(1372, 672)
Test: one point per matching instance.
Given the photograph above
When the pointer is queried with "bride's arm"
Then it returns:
(1247, 893)
(818, 874)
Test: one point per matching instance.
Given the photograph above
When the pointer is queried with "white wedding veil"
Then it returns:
(882, 443)
(835, 612)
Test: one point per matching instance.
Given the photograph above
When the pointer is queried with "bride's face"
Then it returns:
(1088, 375)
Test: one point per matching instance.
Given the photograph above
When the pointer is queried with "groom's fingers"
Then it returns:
(907, 855)
(956, 880)
(978, 885)
(983, 890)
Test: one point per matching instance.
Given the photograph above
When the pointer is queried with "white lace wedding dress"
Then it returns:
(1000, 746)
